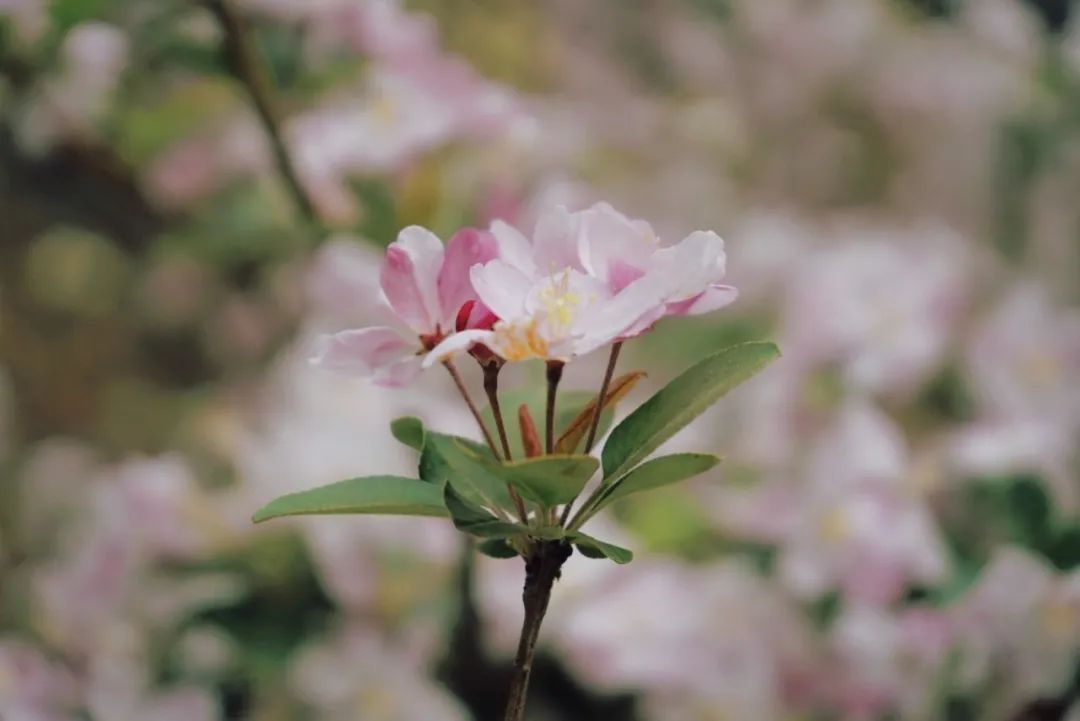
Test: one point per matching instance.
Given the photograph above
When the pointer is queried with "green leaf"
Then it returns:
(410, 431)
(497, 548)
(595, 548)
(680, 402)
(656, 473)
(466, 465)
(477, 521)
(569, 406)
(548, 480)
(388, 495)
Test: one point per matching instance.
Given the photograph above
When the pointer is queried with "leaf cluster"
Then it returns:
(464, 481)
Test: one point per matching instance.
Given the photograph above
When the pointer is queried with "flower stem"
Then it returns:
(554, 375)
(542, 569)
(597, 412)
(452, 369)
(602, 397)
(491, 387)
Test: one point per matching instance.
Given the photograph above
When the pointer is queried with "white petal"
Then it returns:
(514, 248)
(693, 264)
(713, 298)
(501, 287)
(555, 241)
(457, 343)
(609, 319)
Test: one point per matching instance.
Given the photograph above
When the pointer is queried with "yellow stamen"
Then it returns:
(520, 342)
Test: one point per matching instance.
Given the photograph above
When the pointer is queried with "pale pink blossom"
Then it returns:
(1024, 360)
(29, 19)
(341, 280)
(1020, 623)
(882, 306)
(359, 674)
(429, 290)
(587, 279)
(736, 646)
(887, 662)
(74, 101)
(862, 527)
(33, 688)
(196, 167)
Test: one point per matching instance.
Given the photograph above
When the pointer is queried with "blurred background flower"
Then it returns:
(193, 193)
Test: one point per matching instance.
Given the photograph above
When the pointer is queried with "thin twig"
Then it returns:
(602, 397)
(452, 369)
(554, 375)
(245, 63)
(491, 387)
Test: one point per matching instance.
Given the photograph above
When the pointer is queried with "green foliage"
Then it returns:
(680, 402)
(409, 430)
(656, 473)
(594, 548)
(466, 466)
(497, 548)
(66, 14)
(1014, 510)
(476, 521)
(550, 480)
(393, 495)
(463, 479)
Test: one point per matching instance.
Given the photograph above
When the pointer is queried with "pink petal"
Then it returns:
(365, 352)
(713, 298)
(466, 248)
(475, 315)
(410, 278)
(621, 274)
(400, 373)
(613, 247)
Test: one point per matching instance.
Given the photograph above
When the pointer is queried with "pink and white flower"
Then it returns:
(856, 522)
(1023, 361)
(1021, 622)
(427, 288)
(586, 279)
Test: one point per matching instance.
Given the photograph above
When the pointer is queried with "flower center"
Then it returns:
(560, 303)
(519, 341)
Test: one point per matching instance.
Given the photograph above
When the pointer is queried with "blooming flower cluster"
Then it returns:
(585, 279)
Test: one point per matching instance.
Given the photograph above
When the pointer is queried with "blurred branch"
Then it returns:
(244, 62)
